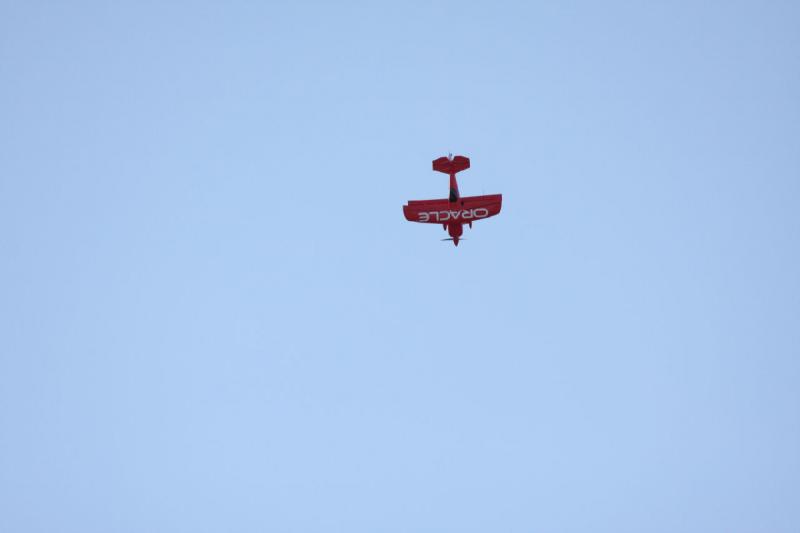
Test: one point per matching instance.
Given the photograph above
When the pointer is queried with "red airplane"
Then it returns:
(457, 210)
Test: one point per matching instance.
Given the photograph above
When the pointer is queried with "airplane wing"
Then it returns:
(492, 203)
(417, 210)
(466, 209)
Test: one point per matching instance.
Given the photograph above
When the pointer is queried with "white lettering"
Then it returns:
(462, 214)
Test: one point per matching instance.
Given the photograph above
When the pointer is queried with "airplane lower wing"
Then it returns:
(465, 210)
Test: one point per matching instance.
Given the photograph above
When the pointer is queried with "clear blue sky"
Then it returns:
(213, 316)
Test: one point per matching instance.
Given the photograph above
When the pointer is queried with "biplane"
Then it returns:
(455, 210)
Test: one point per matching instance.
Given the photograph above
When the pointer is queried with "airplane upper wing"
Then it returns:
(491, 202)
(417, 210)
(466, 209)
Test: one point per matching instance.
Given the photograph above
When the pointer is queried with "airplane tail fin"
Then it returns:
(451, 165)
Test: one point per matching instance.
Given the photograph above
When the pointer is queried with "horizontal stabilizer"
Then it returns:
(451, 166)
